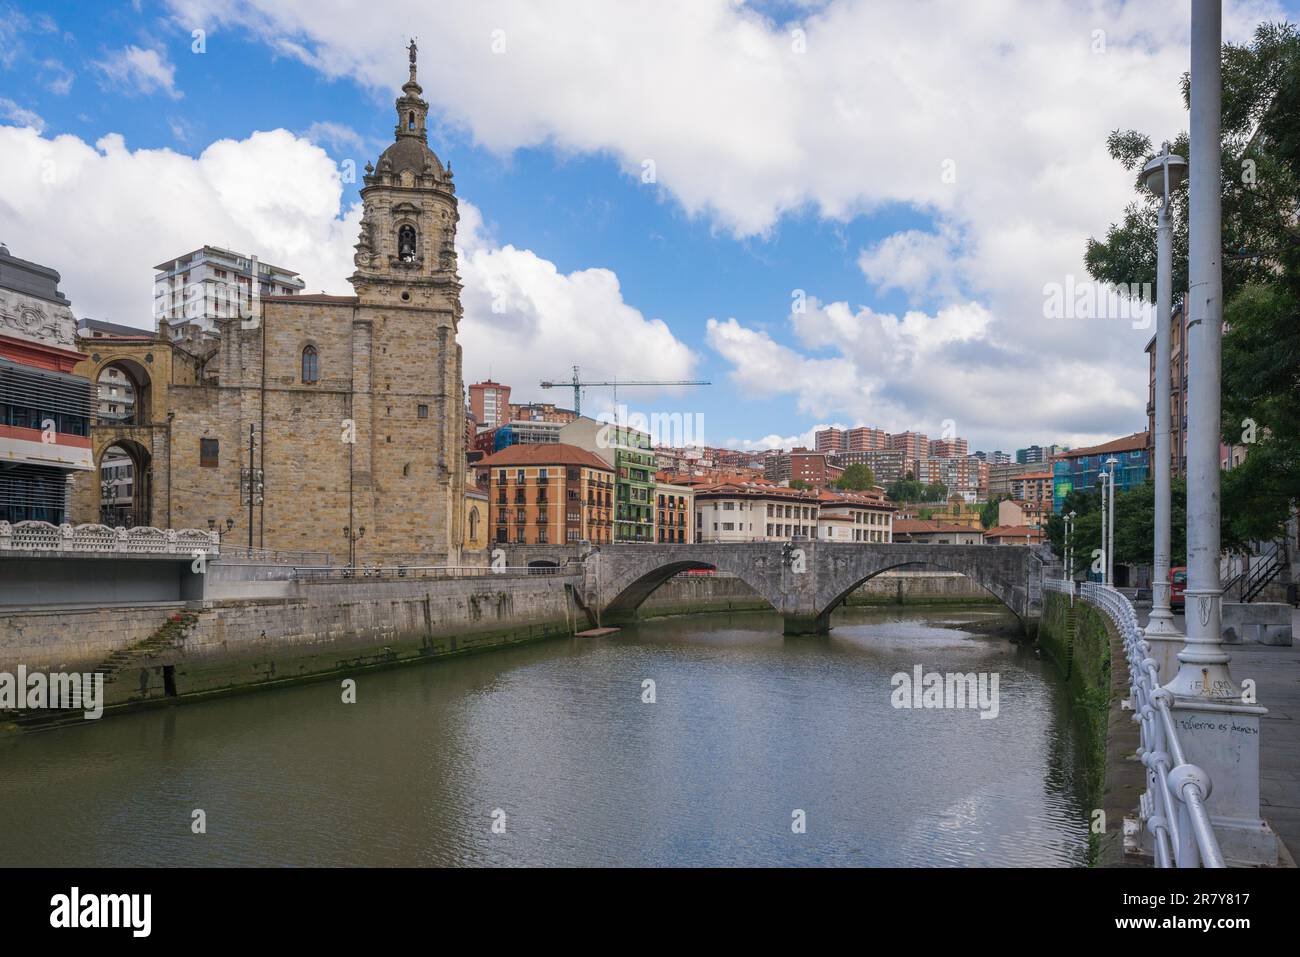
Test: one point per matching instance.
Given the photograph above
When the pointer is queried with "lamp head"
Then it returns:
(1153, 174)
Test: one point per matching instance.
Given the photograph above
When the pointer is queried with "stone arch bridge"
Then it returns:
(804, 581)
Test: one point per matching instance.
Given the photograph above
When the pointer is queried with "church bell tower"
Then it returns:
(406, 251)
(408, 387)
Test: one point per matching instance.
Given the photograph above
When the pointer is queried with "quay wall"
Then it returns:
(266, 630)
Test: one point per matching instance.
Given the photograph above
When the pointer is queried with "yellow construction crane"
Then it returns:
(578, 385)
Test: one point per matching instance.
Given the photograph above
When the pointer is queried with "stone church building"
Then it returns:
(354, 402)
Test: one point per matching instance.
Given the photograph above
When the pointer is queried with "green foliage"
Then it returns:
(856, 478)
(989, 510)
(1134, 525)
(906, 490)
(800, 484)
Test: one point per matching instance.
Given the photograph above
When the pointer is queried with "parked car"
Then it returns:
(1178, 584)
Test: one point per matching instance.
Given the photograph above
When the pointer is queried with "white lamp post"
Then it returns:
(1069, 545)
(1222, 717)
(1110, 523)
(1161, 176)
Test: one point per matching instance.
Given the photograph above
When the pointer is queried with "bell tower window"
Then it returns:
(406, 243)
(410, 120)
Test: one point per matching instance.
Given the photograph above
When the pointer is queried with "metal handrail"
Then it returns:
(1173, 805)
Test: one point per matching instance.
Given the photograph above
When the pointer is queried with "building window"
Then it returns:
(310, 366)
(208, 449)
(422, 411)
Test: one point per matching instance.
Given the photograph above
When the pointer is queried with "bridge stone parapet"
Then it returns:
(803, 581)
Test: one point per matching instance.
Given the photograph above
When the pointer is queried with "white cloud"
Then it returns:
(56, 77)
(339, 136)
(919, 370)
(744, 130)
(135, 70)
(526, 321)
(921, 264)
(103, 215)
(11, 112)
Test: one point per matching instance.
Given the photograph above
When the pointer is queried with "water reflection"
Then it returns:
(747, 727)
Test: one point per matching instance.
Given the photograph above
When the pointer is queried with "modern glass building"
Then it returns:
(1082, 468)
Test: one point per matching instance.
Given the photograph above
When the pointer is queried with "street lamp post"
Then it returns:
(1069, 545)
(1109, 519)
(1104, 480)
(1225, 743)
(1160, 176)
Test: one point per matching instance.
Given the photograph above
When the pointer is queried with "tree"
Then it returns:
(906, 490)
(1134, 525)
(936, 492)
(856, 478)
(989, 510)
(1260, 183)
(800, 484)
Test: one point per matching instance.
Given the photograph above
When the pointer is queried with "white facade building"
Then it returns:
(194, 290)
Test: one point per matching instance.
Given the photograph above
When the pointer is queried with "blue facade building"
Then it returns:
(1082, 468)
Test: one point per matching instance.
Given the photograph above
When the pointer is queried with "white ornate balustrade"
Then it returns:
(68, 539)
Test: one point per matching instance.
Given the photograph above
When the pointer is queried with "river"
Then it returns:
(553, 744)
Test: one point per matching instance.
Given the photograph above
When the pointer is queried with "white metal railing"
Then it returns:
(100, 539)
(1173, 805)
(1057, 584)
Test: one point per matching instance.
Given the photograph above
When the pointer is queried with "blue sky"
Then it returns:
(925, 295)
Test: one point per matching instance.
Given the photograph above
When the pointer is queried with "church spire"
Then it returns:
(412, 110)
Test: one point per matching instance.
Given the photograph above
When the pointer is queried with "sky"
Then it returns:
(843, 212)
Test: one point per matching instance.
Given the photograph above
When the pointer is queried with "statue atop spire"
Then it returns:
(411, 49)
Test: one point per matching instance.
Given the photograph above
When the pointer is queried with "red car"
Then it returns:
(1178, 584)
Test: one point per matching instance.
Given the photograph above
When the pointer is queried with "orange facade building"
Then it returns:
(553, 494)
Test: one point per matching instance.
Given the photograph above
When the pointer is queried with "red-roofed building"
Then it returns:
(1013, 535)
(936, 533)
(551, 494)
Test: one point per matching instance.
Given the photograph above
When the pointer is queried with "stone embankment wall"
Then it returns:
(689, 593)
(266, 632)
(327, 627)
(1088, 653)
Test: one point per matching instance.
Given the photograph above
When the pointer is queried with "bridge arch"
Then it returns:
(995, 588)
(624, 604)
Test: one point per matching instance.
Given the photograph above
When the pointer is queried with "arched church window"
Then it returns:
(310, 366)
(406, 243)
(410, 120)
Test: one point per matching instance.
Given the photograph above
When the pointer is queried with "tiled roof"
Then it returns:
(912, 526)
(1022, 532)
(1130, 443)
(549, 453)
